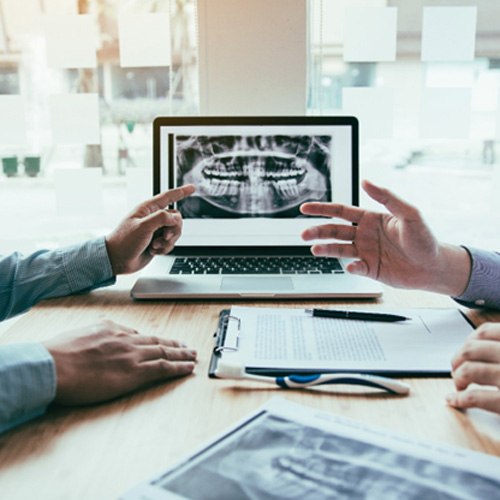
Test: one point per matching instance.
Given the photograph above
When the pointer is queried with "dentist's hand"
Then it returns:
(151, 229)
(397, 248)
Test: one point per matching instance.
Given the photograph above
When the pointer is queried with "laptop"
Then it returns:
(241, 229)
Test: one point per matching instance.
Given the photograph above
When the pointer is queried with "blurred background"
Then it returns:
(82, 80)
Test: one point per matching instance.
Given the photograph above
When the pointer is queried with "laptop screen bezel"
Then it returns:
(179, 121)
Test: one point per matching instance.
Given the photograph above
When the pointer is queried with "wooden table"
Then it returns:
(101, 451)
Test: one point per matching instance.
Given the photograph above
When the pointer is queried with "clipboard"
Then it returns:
(220, 347)
(447, 346)
(220, 339)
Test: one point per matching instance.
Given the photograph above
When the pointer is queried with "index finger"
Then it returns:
(349, 213)
(160, 201)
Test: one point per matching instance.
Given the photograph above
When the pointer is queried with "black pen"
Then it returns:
(362, 316)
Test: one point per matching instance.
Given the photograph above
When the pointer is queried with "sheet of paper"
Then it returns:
(79, 192)
(75, 118)
(449, 33)
(144, 39)
(445, 114)
(374, 108)
(285, 338)
(71, 40)
(287, 447)
(370, 34)
(12, 120)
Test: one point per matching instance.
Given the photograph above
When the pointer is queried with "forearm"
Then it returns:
(27, 383)
(45, 274)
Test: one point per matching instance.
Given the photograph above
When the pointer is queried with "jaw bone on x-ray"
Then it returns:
(253, 176)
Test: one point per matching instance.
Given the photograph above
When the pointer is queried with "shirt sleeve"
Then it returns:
(483, 289)
(28, 383)
(52, 273)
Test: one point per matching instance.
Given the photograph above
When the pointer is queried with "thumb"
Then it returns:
(358, 267)
(159, 219)
(397, 206)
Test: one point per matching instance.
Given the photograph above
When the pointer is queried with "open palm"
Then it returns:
(397, 248)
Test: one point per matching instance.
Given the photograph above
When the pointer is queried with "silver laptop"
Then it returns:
(241, 233)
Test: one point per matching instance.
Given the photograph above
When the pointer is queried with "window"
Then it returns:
(428, 110)
(47, 92)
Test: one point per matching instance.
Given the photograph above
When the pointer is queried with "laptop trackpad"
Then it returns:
(247, 284)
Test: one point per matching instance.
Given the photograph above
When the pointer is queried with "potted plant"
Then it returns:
(10, 165)
(32, 166)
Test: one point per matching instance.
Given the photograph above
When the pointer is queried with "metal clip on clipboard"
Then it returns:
(220, 340)
(222, 347)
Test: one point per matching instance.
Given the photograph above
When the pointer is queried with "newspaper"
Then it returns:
(288, 451)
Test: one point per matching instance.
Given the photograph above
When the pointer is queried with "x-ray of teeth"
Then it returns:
(273, 458)
(253, 176)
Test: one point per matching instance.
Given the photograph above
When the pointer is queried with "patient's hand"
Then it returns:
(106, 360)
(478, 362)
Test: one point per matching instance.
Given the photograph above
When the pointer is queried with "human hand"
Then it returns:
(151, 229)
(478, 361)
(106, 360)
(397, 248)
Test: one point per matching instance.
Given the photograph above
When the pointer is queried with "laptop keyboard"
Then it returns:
(256, 265)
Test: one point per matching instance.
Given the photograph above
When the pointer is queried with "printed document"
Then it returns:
(286, 338)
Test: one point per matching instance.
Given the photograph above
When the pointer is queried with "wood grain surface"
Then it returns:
(101, 451)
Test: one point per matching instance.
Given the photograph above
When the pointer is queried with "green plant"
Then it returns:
(10, 166)
(32, 165)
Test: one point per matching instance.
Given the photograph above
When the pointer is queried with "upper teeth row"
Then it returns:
(258, 173)
(286, 188)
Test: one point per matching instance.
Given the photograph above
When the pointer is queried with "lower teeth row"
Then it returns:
(286, 188)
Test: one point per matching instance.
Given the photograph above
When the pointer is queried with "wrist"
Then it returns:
(113, 260)
(452, 270)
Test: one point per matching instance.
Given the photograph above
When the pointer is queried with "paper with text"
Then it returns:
(291, 339)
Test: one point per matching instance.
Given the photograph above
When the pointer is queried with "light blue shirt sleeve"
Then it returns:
(27, 383)
(27, 371)
(24, 281)
(483, 289)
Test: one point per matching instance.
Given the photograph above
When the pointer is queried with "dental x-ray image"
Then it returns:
(253, 176)
(274, 458)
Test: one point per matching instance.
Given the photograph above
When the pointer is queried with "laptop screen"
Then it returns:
(252, 174)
